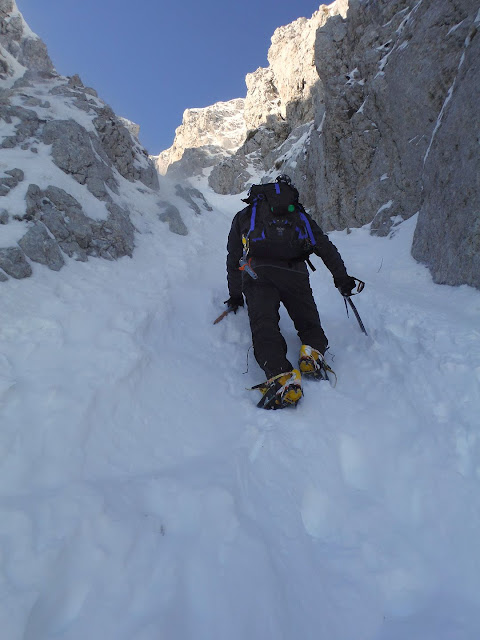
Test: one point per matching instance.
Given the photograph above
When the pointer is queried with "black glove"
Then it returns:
(234, 302)
(346, 285)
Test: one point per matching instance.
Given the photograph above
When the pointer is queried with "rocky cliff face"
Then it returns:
(217, 131)
(278, 103)
(447, 236)
(396, 77)
(71, 172)
(374, 113)
(20, 43)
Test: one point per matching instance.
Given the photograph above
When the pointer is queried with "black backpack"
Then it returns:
(279, 227)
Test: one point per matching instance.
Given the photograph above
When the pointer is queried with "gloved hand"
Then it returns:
(346, 285)
(234, 302)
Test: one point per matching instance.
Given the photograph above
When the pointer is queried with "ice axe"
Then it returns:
(222, 315)
(360, 288)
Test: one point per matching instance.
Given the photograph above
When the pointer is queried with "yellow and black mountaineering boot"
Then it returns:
(312, 364)
(281, 391)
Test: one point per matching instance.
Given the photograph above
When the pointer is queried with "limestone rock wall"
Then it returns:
(447, 236)
(400, 91)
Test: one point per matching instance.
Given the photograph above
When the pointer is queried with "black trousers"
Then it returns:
(264, 295)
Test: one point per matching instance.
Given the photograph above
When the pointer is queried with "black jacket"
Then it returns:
(323, 248)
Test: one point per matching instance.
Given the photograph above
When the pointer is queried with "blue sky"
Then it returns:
(150, 60)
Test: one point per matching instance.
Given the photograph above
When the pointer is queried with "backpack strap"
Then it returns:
(246, 238)
(307, 226)
(253, 216)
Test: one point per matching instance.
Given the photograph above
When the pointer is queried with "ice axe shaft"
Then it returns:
(222, 315)
(357, 315)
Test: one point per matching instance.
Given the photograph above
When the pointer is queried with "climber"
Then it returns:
(269, 243)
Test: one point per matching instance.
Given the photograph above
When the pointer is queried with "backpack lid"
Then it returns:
(279, 195)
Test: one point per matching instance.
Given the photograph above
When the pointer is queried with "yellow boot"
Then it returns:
(312, 363)
(281, 391)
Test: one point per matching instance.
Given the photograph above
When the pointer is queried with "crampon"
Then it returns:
(313, 365)
(281, 391)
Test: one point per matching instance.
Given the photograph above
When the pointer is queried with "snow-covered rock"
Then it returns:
(220, 126)
(133, 127)
(19, 41)
(72, 173)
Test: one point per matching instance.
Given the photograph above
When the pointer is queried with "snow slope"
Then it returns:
(144, 496)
